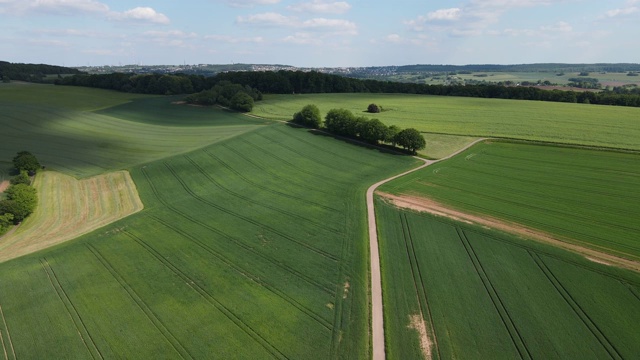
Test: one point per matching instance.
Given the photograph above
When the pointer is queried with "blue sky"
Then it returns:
(318, 33)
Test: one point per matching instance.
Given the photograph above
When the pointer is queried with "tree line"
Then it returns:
(227, 94)
(21, 197)
(31, 72)
(297, 82)
(344, 123)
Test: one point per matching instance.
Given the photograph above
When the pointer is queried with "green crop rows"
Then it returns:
(254, 247)
(606, 126)
(585, 196)
(486, 296)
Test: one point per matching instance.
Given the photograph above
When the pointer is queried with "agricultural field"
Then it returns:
(252, 247)
(593, 125)
(70, 129)
(606, 79)
(581, 196)
(68, 208)
(458, 291)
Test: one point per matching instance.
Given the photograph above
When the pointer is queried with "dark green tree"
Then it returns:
(411, 139)
(308, 116)
(241, 101)
(22, 178)
(6, 220)
(373, 131)
(338, 121)
(373, 108)
(390, 136)
(21, 201)
(26, 161)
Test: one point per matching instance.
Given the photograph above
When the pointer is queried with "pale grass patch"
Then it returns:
(68, 208)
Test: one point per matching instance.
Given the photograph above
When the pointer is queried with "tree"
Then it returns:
(26, 161)
(22, 178)
(373, 108)
(411, 139)
(373, 131)
(390, 136)
(308, 116)
(241, 101)
(338, 121)
(6, 220)
(21, 201)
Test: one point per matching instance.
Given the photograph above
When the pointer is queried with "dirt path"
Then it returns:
(439, 209)
(377, 322)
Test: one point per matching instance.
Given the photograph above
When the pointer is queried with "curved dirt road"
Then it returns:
(377, 321)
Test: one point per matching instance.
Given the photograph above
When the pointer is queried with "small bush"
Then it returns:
(374, 109)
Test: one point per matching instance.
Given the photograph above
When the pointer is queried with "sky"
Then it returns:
(318, 33)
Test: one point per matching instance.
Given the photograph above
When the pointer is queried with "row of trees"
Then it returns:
(31, 72)
(21, 197)
(288, 82)
(344, 123)
(227, 94)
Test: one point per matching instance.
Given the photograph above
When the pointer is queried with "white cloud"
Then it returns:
(141, 14)
(629, 9)
(302, 38)
(444, 14)
(337, 26)
(234, 40)
(251, 3)
(54, 43)
(320, 6)
(266, 19)
(334, 26)
(559, 27)
(171, 34)
(55, 7)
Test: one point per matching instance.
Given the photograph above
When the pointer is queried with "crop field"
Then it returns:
(253, 247)
(68, 132)
(593, 125)
(68, 208)
(485, 295)
(582, 196)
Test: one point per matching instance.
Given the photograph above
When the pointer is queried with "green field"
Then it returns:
(606, 79)
(584, 196)
(485, 295)
(84, 132)
(253, 247)
(592, 125)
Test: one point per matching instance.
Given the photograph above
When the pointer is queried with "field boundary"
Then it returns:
(377, 311)
(6, 328)
(430, 206)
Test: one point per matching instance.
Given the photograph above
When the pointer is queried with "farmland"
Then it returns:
(482, 294)
(582, 196)
(252, 247)
(69, 208)
(603, 126)
(81, 141)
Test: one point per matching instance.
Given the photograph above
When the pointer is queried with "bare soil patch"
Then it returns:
(4, 185)
(433, 207)
(416, 322)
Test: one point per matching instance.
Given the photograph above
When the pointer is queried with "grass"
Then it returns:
(592, 125)
(68, 132)
(68, 208)
(583, 196)
(488, 295)
(257, 241)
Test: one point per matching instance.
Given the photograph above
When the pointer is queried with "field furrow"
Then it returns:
(7, 347)
(157, 323)
(212, 300)
(73, 313)
(597, 333)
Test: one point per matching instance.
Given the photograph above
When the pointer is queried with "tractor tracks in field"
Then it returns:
(377, 311)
